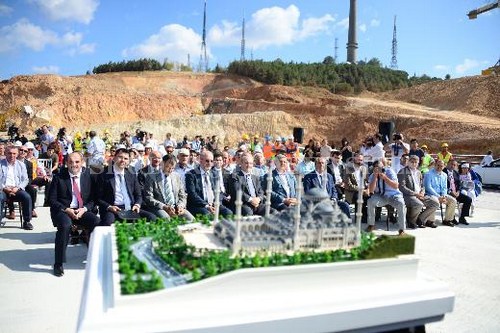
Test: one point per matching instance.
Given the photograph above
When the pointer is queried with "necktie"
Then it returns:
(169, 196)
(452, 182)
(208, 188)
(78, 195)
(123, 188)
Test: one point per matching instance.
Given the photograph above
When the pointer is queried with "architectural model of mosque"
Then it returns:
(315, 223)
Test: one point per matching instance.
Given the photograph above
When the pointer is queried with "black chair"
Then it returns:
(11, 202)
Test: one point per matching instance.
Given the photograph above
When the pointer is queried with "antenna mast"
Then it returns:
(394, 60)
(203, 67)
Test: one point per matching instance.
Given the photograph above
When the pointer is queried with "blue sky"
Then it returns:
(69, 37)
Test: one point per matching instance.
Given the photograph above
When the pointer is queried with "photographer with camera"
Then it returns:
(397, 148)
(383, 183)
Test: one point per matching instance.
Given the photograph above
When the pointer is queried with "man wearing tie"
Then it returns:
(284, 185)
(119, 190)
(164, 193)
(253, 197)
(320, 178)
(71, 202)
(200, 185)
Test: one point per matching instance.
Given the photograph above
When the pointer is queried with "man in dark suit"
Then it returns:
(253, 198)
(164, 193)
(71, 202)
(222, 176)
(23, 151)
(152, 167)
(320, 178)
(454, 191)
(335, 168)
(119, 190)
(411, 185)
(200, 188)
(284, 185)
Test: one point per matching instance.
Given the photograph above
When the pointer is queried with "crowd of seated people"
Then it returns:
(95, 181)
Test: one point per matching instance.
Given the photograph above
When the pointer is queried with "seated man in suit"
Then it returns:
(284, 185)
(356, 175)
(253, 198)
(320, 178)
(411, 185)
(383, 183)
(335, 168)
(13, 181)
(200, 188)
(71, 202)
(164, 193)
(119, 190)
(454, 191)
(222, 176)
(152, 167)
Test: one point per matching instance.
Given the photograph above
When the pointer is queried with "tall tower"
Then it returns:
(203, 67)
(336, 49)
(242, 56)
(352, 43)
(394, 60)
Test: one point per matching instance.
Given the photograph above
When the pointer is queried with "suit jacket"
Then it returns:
(406, 182)
(311, 180)
(106, 192)
(153, 190)
(61, 191)
(29, 169)
(238, 181)
(278, 193)
(226, 176)
(456, 179)
(351, 182)
(331, 170)
(141, 176)
(194, 188)
(20, 174)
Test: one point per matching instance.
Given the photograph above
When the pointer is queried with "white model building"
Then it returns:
(315, 223)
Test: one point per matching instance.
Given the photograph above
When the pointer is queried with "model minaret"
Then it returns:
(216, 200)
(269, 189)
(296, 215)
(237, 220)
(361, 187)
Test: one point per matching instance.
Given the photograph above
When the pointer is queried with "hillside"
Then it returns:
(465, 112)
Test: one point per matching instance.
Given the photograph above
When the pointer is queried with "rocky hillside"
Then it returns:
(464, 112)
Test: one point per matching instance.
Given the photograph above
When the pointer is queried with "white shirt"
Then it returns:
(74, 201)
(487, 160)
(416, 180)
(284, 182)
(119, 199)
(336, 172)
(377, 152)
(11, 175)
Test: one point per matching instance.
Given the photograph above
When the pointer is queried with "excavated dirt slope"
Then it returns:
(464, 112)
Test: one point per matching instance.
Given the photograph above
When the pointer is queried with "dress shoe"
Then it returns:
(11, 215)
(401, 233)
(58, 270)
(449, 223)
(411, 225)
(462, 220)
(27, 226)
(430, 224)
(455, 222)
(34, 214)
(392, 219)
(369, 228)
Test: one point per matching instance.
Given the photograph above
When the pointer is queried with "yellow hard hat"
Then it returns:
(106, 131)
(444, 145)
(245, 137)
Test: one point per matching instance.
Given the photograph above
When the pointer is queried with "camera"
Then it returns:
(397, 137)
(13, 132)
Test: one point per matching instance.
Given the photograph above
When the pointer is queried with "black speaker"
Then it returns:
(298, 134)
(386, 128)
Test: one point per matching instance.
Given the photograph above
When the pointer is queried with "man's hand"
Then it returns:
(442, 200)
(420, 196)
(79, 212)
(290, 201)
(180, 210)
(211, 209)
(136, 208)
(169, 209)
(255, 201)
(71, 213)
(114, 209)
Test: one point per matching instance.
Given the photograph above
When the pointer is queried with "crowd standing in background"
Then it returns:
(92, 181)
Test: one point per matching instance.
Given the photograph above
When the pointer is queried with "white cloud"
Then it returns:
(5, 10)
(374, 23)
(45, 69)
(441, 68)
(467, 65)
(270, 26)
(25, 34)
(72, 10)
(344, 23)
(362, 27)
(173, 41)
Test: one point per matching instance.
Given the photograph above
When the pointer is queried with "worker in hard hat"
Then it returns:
(107, 139)
(267, 147)
(78, 143)
(444, 155)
